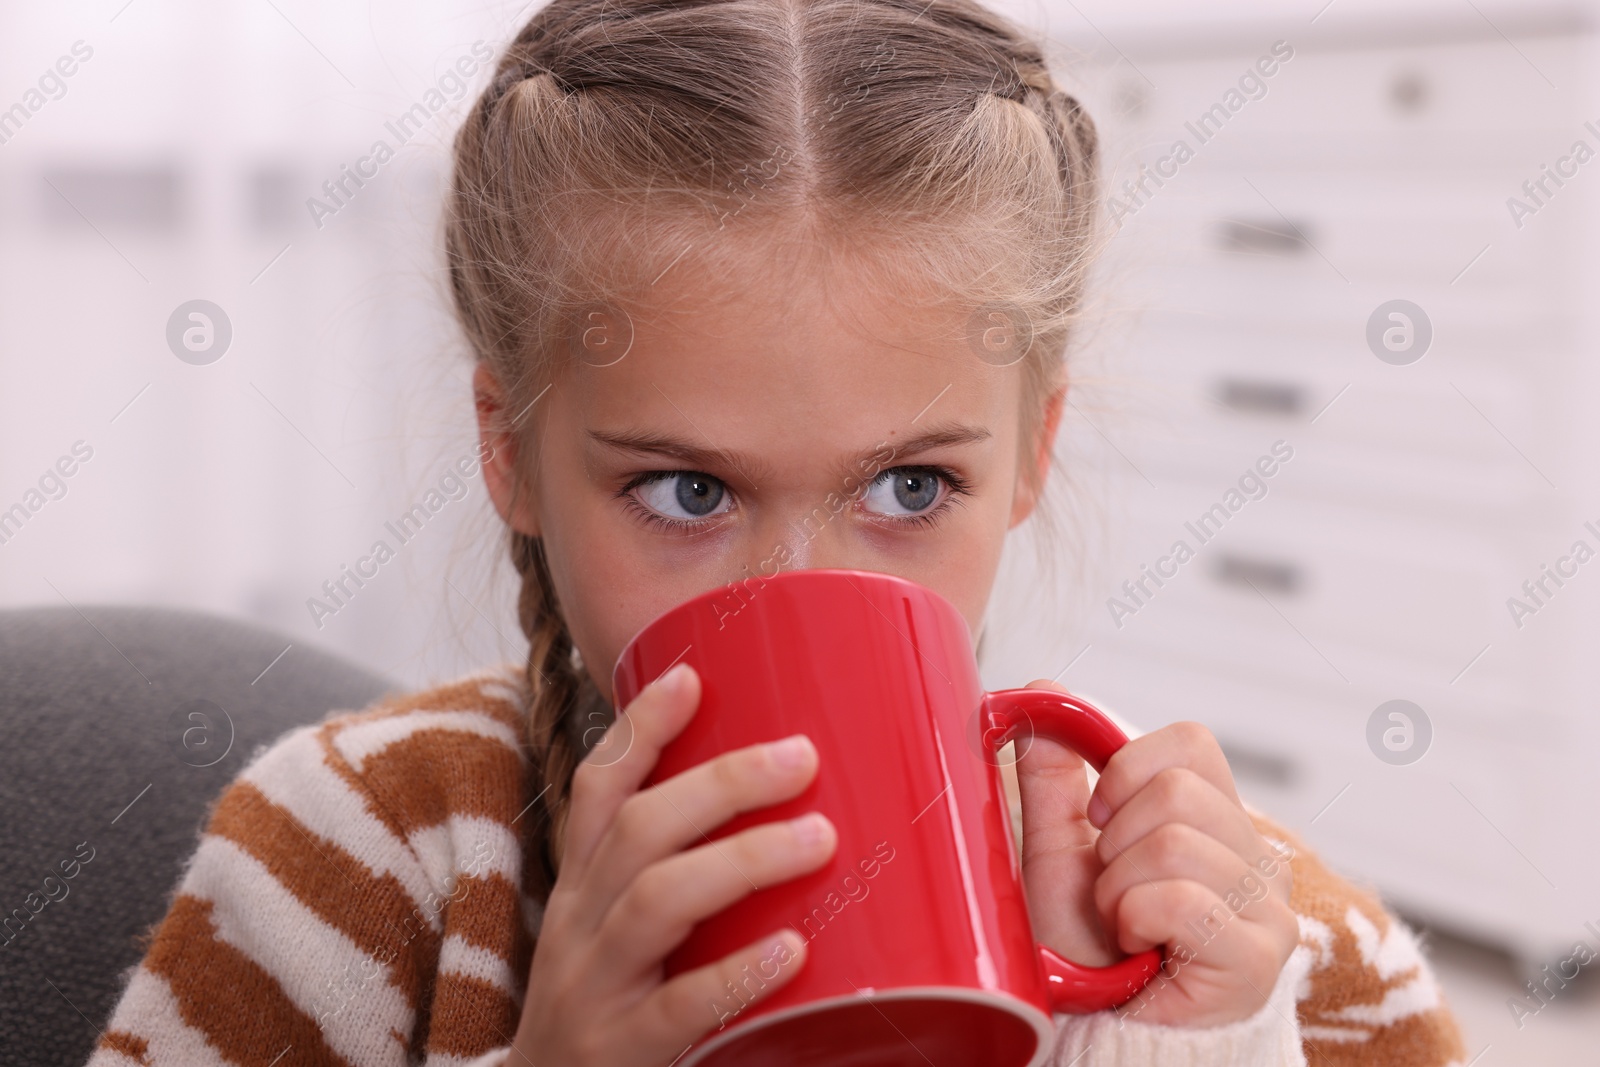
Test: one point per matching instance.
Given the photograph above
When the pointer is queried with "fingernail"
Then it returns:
(792, 751)
(784, 946)
(811, 828)
(672, 681)
(1098, 812)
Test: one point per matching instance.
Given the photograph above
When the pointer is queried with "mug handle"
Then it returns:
(1007, 713)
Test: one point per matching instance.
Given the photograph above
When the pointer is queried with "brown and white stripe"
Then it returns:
(356, 900)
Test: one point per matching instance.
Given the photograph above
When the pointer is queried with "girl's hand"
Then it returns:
(1175, 855)
(629, 889)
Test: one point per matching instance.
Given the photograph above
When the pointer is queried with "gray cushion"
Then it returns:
(117, 706)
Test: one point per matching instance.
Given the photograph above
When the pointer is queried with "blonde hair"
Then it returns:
(926, 137)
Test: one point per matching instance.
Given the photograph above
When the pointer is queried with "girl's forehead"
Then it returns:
(781, 348)
(842, 357)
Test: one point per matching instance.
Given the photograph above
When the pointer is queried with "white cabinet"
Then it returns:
(1379, 562)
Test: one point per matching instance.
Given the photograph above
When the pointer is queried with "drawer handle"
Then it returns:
(1272, 237)
(1258, 764)
(1262, 574)
(1408, 93)
(1261, 397)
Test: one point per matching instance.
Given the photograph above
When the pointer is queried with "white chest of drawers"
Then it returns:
(1420, 497)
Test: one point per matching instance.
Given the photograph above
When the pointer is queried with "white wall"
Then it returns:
(241, 486)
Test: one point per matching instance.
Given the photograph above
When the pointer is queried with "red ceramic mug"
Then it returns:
(919, 946)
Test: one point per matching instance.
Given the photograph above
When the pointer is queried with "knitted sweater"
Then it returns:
(357, 899)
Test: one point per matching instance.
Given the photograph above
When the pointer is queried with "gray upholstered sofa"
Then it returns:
(120, 726)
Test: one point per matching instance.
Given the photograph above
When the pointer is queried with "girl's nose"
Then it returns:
(807, 532)
(814, 545)
(802, 541)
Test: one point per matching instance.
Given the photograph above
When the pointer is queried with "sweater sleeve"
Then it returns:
(304, 929)
(1269, 1038)
(1355, 991)
(1370, 997)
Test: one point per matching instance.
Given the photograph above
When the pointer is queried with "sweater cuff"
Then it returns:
(495, 1057)
(1269, 1038)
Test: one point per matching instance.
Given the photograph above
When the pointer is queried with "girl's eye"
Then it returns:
(684, 495)
(903, 491)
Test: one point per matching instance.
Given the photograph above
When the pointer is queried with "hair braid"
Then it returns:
(564, 696)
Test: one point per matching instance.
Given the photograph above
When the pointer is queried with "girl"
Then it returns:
(712, 257)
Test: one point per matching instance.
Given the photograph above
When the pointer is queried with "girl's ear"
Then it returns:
(497, 444)
(1026, 497)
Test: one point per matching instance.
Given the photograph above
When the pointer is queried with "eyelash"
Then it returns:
(957, 485)
(653, 517)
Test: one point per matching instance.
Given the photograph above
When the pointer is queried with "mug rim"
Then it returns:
(701, 600)
(1043, 1023)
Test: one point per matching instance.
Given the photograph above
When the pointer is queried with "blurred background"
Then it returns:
(1342, 350)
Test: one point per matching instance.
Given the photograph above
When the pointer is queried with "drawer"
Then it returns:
(1480, 90)
(1413, 610)
(1293, 587)
(1354, 103)
(1475, 439)
(1314, 252)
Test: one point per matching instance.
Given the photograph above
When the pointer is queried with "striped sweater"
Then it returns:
(356, 899)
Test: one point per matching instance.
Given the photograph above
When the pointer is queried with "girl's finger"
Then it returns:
(1178, 794)
(711, 997)
(1180, 852)
(656, 822)
(658, 909)
(1175, 912)
(1054, 788)
(605, 778)
(1131, 767)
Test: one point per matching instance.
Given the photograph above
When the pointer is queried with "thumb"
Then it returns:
(1055, 791)
(1054, 788)
(1059, 862)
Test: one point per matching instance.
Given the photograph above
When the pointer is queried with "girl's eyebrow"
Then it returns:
(703, 457)
(926, 441)
(696, 456)
(938, 437)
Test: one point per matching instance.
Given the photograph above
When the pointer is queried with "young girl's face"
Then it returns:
(729, 437)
